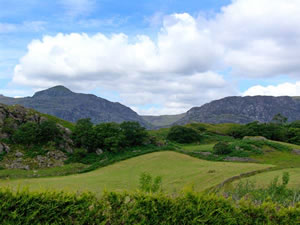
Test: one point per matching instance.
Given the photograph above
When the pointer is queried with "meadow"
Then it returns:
(178, 171)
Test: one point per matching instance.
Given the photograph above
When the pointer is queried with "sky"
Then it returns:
(155, 56)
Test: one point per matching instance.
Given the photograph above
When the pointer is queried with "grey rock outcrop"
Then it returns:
(296, 151)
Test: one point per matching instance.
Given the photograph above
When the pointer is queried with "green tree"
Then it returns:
(183, 135)
(48, 131)
(27, 134)
(83, 135)
(108, 136)
(9, 127)
(134, 133)
(279, 119)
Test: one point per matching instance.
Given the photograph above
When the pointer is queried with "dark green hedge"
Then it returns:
(139, 208)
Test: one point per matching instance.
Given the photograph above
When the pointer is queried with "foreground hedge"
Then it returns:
(113, 208)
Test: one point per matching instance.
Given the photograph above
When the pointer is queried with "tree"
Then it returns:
(279, 119)
(27, 134)
(9, 127)
(183, 135)
(134, 133)
(83, 135)
(108, 136)
(48, 131)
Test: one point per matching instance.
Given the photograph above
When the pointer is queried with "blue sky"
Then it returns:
(158, 56)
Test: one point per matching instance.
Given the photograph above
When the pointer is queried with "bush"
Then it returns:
(183, 135)
(137, 208)
(278, 192)
(149, 184)
(222, 148)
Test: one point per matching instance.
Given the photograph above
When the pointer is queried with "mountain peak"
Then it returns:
(54, 92)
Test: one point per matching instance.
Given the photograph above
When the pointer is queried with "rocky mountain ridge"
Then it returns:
(244, 110)
(61, 102)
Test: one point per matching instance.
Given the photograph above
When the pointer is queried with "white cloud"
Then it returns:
(173, 72)
(252, 38)
(284, 89)
(262, 37)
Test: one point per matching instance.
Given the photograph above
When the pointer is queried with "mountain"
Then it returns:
(164, 120)
(244, 110)
(61, 102)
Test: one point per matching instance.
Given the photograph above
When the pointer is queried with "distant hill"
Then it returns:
(61, 102)
(164, 120)
(244, 110)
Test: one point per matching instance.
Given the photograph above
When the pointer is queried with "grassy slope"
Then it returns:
(62, 122)
(177, 170)
(265, 178)
(198, 148)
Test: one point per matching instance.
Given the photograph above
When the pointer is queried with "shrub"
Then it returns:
(137, 208)
(222, 148)
(148, 184)
(183, 135)
(278, 192)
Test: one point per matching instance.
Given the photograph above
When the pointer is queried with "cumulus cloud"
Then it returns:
(262, 37)
(177, 68)
(173, 72)
(285, 89)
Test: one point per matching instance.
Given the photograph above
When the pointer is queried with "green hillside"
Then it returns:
(177, 171)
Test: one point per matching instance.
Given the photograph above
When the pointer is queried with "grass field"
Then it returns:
(198, 148)
(177, 171)
(280, 159)
(264, 179)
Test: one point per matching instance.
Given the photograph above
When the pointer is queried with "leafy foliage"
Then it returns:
(222, 148)
(83, 135)
(134, 133)
(23, 207)
(26, 134)
(111, 137)
(278, 131)
(183, 135)
(276, 191)
(149, 184)
(31, 133)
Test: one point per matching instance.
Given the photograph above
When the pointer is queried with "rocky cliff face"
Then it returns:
(65, 104)
(244, 110)
(13, 156)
